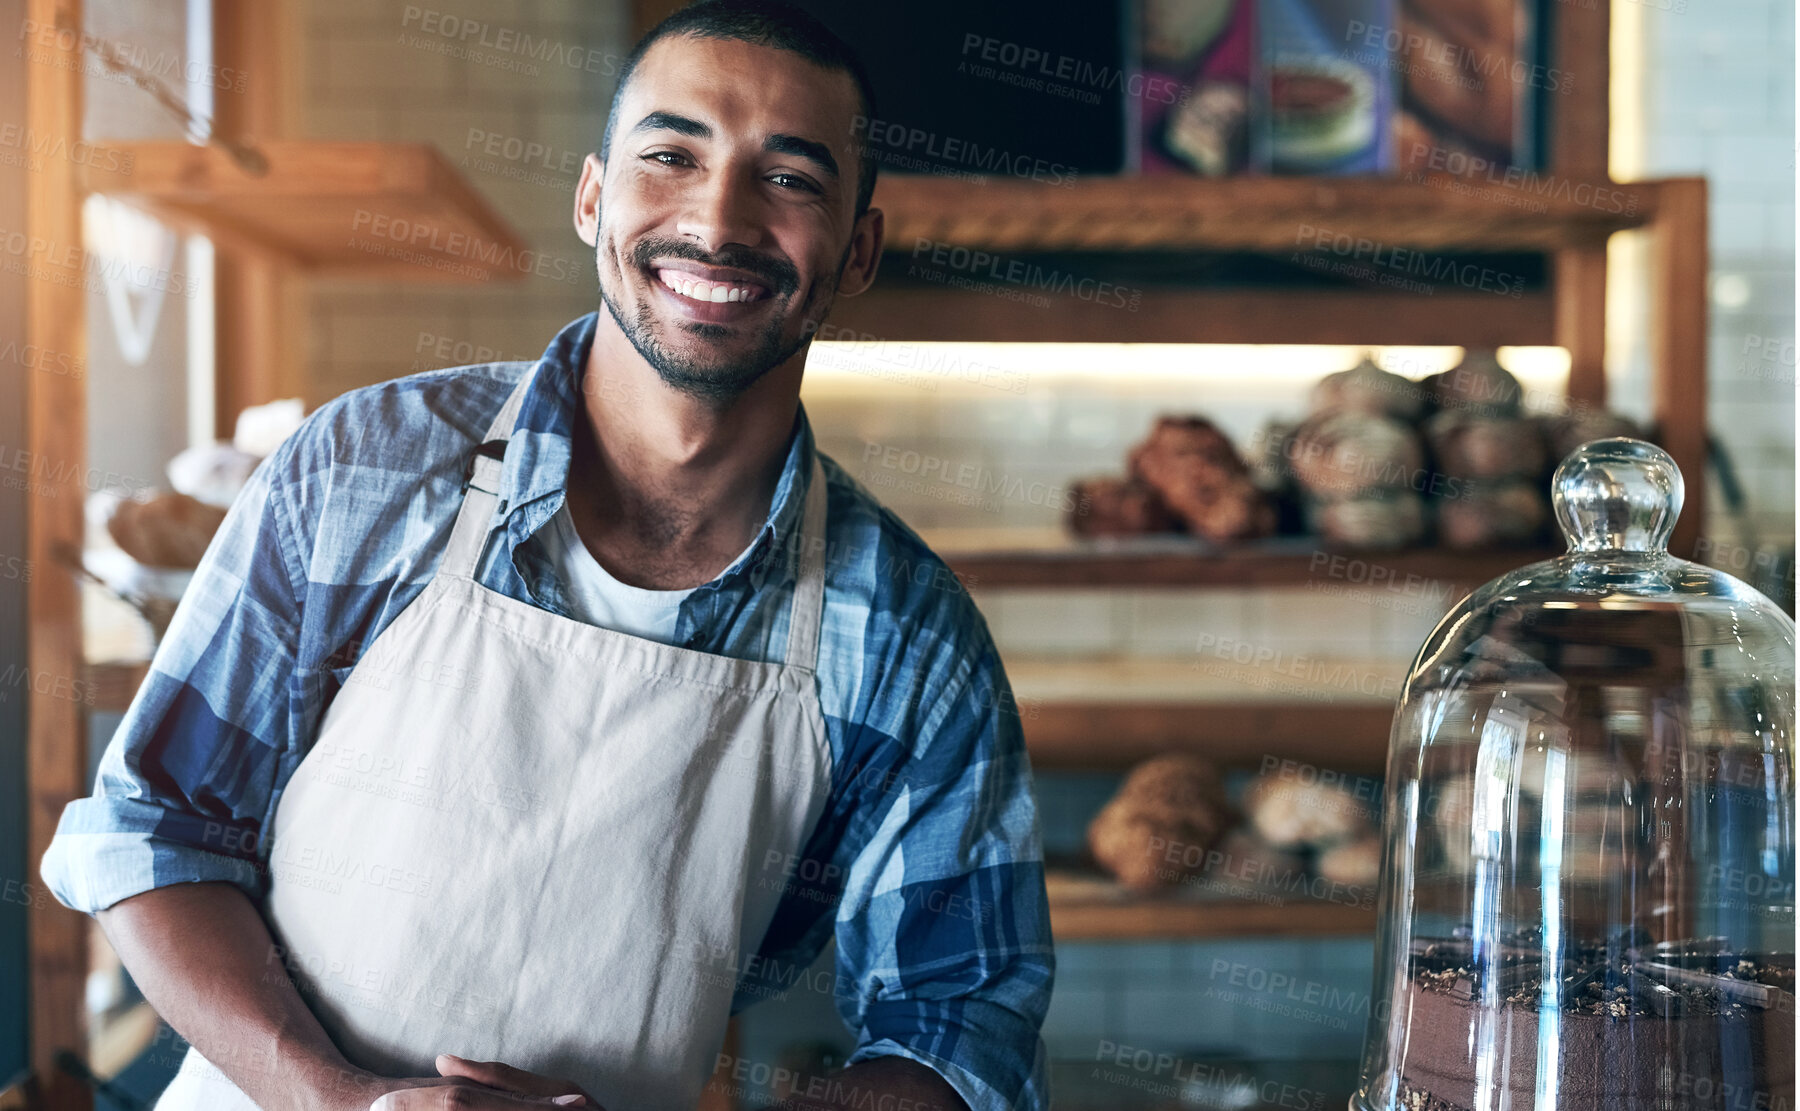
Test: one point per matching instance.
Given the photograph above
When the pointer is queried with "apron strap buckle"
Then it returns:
(491, 449)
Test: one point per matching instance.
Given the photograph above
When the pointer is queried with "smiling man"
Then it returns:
(524, 721)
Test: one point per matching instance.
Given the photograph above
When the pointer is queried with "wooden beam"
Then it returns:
(255, 303)
(1579, 282)
(56, 416)
(1678, 352)
(1580, 118)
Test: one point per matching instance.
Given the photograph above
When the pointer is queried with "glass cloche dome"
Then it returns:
(1587, 897)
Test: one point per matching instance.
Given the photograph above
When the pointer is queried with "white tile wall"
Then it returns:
(1720, 102)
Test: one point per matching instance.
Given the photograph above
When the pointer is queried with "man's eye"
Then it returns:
(790, 181)
(672, 158)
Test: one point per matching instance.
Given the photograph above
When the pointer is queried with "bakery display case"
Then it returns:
(1588, 891)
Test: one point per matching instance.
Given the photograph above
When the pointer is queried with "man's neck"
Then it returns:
(666, 489)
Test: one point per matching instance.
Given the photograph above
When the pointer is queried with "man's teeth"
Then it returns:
(701, 290)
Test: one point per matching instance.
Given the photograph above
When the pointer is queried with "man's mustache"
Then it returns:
(777, 273)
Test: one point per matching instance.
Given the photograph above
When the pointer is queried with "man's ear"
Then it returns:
(587, 199)
(865, 253)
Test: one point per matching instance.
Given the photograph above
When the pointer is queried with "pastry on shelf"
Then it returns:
(212, 473)
(1509, 513)
(1563, 433)
(1352, 863)
(1244, 864)
(1376, 520)
(1156, 831)
(1366, 388)
(1478, 384)
(1342, 453)
(167, 529)
(1467, 444)
(1290, 812)
(1109, 506)
(1200, 476)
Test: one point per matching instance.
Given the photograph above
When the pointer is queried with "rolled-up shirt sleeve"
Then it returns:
(187, 783)
(943, 934)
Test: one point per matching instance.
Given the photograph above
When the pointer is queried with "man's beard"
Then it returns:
(716, 380)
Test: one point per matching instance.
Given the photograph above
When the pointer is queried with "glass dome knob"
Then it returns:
(1617, 495)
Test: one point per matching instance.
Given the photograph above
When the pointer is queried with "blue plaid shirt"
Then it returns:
(927, 850)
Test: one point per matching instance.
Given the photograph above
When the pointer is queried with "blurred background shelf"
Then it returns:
(1115, 1078)
(395, 211)
(1088, 907)
(1045, 558)
(1086, 714)
(1296, 314)
(1173, 213)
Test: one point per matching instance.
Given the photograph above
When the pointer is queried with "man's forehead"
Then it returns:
(730, 82)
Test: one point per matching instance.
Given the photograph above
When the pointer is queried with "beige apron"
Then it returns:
(526, 839)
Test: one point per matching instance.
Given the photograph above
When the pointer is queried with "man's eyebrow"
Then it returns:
(803, 148)
(816, 152)
(669, 121)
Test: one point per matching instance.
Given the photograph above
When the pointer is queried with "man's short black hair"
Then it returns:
(769, 23)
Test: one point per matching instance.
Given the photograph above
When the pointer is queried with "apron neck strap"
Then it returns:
(474, 520)
(808, 609)
(481, 488)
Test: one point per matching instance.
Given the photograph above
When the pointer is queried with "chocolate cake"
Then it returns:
(1688, 1024)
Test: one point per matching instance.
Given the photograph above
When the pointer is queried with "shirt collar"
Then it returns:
(535, 475)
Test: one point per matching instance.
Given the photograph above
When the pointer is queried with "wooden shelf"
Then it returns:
(399, 211)
(1114, 1079)
(1172, 315)
(1086, 907)
(1068, 737)
(1107, 714)
(1129, 213)
(1046, 559)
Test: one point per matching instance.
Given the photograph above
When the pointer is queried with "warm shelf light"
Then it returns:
(878, 367)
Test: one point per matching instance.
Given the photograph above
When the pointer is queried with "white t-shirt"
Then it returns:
(599, 599)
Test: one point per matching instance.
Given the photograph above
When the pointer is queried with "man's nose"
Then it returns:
(721, 210)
